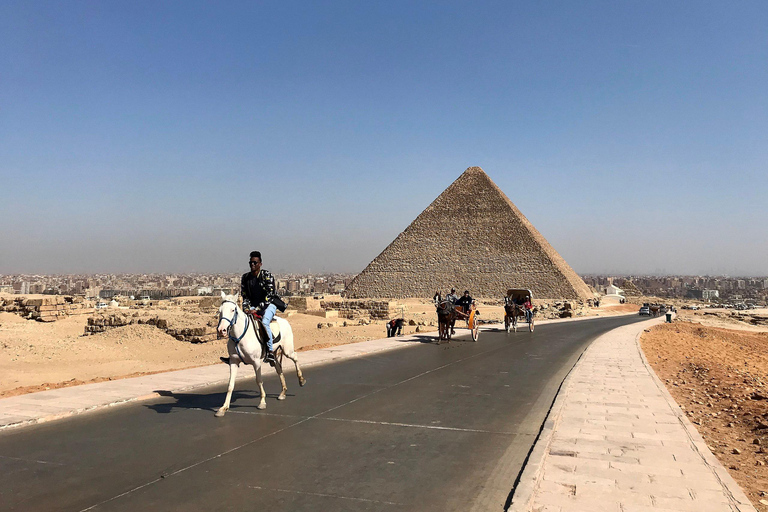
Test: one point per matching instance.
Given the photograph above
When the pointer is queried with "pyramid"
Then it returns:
(472, 238)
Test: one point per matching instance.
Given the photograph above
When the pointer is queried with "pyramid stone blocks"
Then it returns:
(471, 237)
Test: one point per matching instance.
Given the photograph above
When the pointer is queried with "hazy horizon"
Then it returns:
(144, 137)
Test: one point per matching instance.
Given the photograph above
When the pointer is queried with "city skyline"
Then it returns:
(138, 136)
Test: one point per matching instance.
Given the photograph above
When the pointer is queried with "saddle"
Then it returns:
(262, 334)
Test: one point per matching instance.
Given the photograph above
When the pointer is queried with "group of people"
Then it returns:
(261, 301)
(460, 304)
(464, 301)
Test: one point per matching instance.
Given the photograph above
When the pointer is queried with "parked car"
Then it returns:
(101, 305)
(645, 310)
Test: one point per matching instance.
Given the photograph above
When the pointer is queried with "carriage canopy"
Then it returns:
(516, 294)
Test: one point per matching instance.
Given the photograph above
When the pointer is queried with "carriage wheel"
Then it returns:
(506, 323)
(474, 326)
(475, 331)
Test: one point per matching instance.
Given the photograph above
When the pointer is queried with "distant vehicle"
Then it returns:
(645, 310)
(101, 305)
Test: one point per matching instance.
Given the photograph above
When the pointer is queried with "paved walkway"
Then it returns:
(615, 440)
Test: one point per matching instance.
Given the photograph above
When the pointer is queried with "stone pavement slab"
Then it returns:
(615, 440)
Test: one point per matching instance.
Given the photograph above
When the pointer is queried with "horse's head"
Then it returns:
(227, 313)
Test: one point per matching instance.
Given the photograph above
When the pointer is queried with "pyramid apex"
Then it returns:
(474, 170)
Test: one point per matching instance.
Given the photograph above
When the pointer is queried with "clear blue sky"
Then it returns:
(178, 136)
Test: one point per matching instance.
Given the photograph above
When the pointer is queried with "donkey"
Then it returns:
(245, 346)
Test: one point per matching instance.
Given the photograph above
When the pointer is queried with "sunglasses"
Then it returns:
(254, 263)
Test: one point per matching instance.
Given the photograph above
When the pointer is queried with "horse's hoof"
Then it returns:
(281, 397)
(261, 406)
(302, 381)
(220, 413)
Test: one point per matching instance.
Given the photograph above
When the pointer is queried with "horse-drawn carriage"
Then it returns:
(448, 313)
(515, 310)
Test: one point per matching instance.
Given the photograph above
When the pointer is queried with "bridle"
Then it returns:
(233, 321)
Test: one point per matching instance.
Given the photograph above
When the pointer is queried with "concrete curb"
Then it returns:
(731, 489)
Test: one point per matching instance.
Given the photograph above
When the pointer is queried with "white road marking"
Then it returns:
(323, 495)
(371, 422)
(31, 460)
(420, 426)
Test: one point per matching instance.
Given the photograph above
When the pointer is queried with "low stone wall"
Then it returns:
(47, 308)
(101, 323)
(351, 309)
(303, 303)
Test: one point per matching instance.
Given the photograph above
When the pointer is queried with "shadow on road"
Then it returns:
(209, 402)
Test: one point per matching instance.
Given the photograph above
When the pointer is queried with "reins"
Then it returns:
(232, 322)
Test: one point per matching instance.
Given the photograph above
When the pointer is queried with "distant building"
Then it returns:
(710, 294)
(612, 289)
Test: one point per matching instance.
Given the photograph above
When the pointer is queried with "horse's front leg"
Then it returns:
(260, 382)
(232, 374)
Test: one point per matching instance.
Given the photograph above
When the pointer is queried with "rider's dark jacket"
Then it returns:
(258, 291)
(464, 302)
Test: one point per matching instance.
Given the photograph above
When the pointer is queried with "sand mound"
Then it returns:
(10, 318)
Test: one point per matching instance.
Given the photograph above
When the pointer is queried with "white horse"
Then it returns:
(245, 346)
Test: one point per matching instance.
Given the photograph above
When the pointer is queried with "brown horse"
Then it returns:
(446, 317)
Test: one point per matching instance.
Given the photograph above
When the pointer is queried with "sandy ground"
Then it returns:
(36, 356)
(716, 368)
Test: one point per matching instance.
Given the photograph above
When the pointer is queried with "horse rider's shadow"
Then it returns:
(420, 338)
(208, 402)
(434, 339)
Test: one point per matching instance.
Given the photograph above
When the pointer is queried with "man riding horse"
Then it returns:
(259, 298)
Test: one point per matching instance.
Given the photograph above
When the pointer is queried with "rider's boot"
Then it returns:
(270, 358)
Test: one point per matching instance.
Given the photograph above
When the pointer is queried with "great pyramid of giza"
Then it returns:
(471, 237)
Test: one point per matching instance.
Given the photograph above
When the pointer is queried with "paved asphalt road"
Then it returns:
(423, 428)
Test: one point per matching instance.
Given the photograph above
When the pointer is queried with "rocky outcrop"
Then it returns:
(198, 334)
(48, 308)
